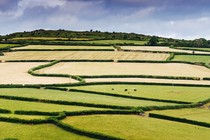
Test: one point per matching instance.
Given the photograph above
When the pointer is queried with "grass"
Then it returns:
(5, 46)
(35, 132)
(48, 38)
(34, 106)
(179, 93)
(193, 48)
(77, 97)
(136, 127)
(40, 47)
(193, 58)
(197, 114)
(25, 117)
(110, 42)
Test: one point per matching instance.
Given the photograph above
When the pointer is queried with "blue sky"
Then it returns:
(188, 19)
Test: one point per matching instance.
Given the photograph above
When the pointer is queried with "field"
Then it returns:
(82, 55)
(90, 99)
(193, 58)
(196, 49)
(79, 97)
(5, 46)
(111, 68)
(179, 93)
(137, 127)
(35, 132)
(54, 47)
(163, 49)
(17, 73)
(198, 114)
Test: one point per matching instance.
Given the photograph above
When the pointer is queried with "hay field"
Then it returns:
(81, 55)
(161, 49)
(111, 68)
(17, 73)
(57, 47)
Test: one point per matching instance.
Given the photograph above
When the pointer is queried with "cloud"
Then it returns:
(179, 19)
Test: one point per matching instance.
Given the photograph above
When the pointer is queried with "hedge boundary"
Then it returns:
(16, 50)
(182, 120)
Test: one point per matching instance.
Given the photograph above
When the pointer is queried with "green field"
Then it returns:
(5, 46)
(78, 97)
(108, 42)
(197, 114)
(57, 47)
(192, 58)
(178, 93)
(25, 117)
(35, 132)
(136, 127)
(193, 48)
(34, 106)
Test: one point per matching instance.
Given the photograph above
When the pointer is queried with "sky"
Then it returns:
(182, 19)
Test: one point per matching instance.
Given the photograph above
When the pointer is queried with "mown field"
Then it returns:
(112, 68)
(62, 47)
(82, 55)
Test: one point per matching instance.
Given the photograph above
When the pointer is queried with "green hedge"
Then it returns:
(140, 76)
(182, 120)
(23, 112)
(22, 121)
(170, 57)
(5, 111)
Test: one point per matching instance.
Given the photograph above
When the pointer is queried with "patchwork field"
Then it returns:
(116, 108)
(60, 47)
(136, 127)
(111, 68)
(17, 73)
(81, 55)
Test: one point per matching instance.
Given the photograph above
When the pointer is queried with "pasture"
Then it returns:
(201, 114)
(193, 58)
(137, 127)
(178, 93)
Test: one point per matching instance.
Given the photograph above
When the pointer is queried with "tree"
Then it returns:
(153, 41)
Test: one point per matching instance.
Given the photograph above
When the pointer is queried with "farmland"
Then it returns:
(135, 127)
(60, 47)
(193, 58)
(82, 55)
(17, 73)
(102, 92)
(111, 68)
